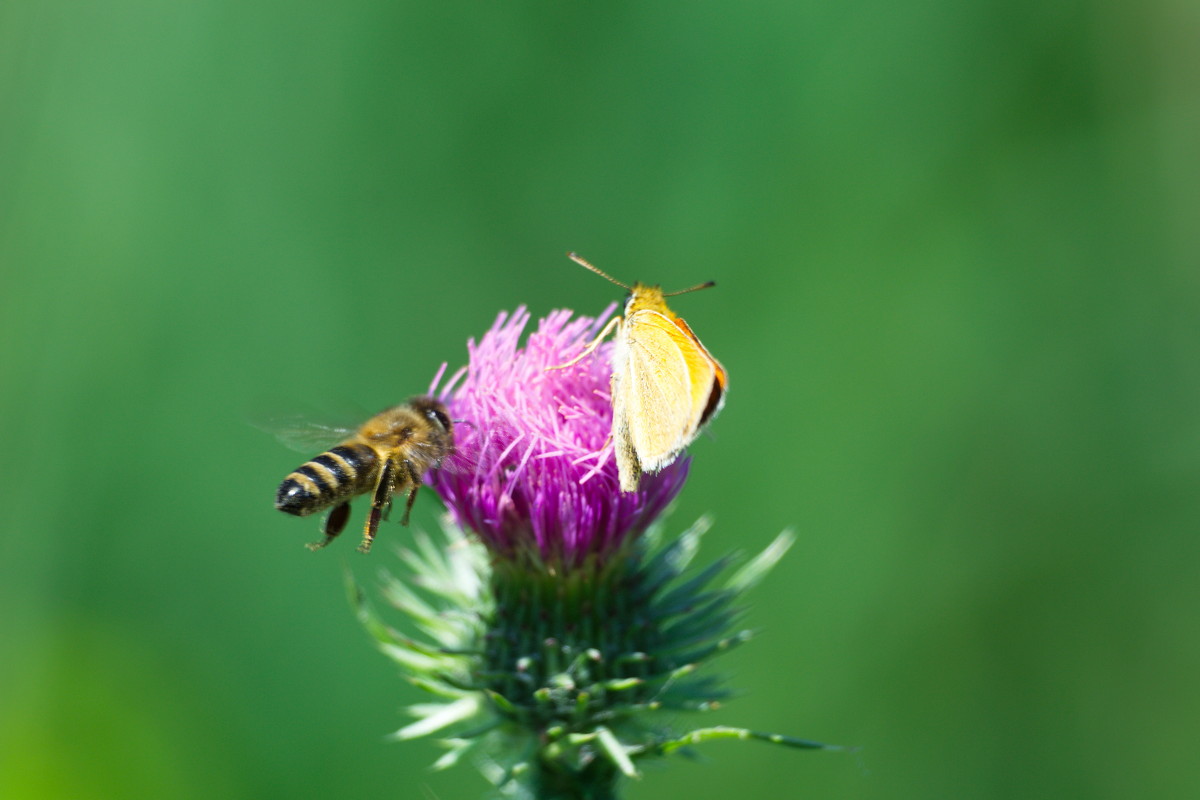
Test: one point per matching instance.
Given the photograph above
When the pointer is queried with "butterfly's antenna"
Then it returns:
(696, 288)
(587, 265)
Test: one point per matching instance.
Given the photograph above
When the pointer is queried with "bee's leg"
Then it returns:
(415, 483)
(332, 525)
(383, 496)
(615, 322)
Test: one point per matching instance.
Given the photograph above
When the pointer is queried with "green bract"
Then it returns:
(558, 683)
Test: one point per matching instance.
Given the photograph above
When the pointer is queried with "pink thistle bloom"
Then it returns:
(533, 469)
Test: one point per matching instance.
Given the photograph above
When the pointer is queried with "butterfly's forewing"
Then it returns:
(663, 405)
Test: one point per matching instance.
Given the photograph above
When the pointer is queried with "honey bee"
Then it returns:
(388, 455)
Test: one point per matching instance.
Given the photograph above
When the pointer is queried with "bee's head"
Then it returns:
(433, 411)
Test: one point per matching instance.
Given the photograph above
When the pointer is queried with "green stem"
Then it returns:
(596, 781)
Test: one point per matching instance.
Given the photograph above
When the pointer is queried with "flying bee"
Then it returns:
(388, 455)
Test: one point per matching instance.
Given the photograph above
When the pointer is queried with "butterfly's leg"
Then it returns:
(615, 322)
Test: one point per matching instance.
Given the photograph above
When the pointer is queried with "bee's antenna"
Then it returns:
(585, 264)
(696, 288)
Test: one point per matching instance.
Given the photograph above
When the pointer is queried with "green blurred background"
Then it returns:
(956, 247)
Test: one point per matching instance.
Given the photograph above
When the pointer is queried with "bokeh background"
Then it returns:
(956, 247)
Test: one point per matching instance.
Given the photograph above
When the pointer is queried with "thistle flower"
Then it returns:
(558, 645)
(533, 470)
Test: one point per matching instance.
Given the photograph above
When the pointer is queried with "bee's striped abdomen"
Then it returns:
(346, 470)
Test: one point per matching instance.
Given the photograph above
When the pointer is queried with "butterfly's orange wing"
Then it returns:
(665, 386)
(712, 396)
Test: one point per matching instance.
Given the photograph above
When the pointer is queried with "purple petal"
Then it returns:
(533, 467)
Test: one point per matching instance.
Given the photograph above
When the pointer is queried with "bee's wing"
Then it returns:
(304, 435)
(457, 463)
(476, 447)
